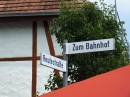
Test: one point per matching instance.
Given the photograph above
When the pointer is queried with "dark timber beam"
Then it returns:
(16, 59)
(22, 58)
(50, 43)
(34, 61)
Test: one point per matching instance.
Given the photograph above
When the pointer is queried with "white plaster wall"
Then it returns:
(16, 41)
(15, 79)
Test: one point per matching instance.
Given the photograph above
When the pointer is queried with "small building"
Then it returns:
(24, 33)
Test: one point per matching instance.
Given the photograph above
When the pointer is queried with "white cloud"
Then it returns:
(123, 6)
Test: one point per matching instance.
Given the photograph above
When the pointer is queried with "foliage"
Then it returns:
(54, 82)
(37, 94)
(82, 22)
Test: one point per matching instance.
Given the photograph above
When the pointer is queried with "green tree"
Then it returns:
(82, 22)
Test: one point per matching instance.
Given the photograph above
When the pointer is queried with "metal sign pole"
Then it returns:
(115, 10)
(65, 57)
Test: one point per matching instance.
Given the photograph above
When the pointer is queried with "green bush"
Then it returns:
(83, 23)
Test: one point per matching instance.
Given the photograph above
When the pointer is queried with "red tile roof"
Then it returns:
(28, 6)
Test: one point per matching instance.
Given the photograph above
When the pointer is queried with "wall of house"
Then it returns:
(16, 41)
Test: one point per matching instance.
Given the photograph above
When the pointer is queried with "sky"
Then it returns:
(123, 8)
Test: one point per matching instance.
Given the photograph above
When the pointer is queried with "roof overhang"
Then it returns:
(29, 14)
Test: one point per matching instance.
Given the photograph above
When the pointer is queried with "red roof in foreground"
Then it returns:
(115, 83)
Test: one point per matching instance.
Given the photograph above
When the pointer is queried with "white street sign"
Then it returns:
(52, 62)
(90, 46)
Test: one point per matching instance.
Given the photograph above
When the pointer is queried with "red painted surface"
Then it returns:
(115, 83)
